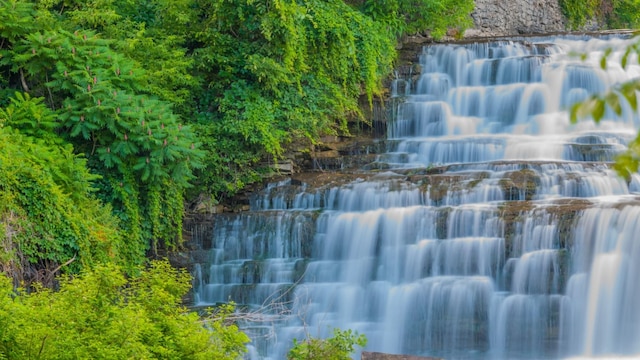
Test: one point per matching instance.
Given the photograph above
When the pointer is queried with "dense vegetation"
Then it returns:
(340, 346)
(102, 315)
(612, 14)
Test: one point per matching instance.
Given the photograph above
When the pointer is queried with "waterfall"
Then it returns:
(497, 229)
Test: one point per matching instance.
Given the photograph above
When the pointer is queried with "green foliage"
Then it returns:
(626, 14)
(103, 107)
(46, 202)
(437, 16)
(233, 161)
(16, 18)
(276, 72)
(613, 14)
(30, 116)
(578, 12)
(101, 110)
(103, 315)
(338, 347)
(153, 33)
(414, 16)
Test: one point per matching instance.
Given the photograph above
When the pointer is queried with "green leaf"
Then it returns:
(625, 58)
(598, 107)
(612, 99)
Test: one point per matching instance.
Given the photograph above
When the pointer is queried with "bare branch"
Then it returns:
(25, 87)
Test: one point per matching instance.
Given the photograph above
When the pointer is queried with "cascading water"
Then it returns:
(497, 229)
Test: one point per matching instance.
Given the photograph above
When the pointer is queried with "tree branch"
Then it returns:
(25, 87)
(51, 274)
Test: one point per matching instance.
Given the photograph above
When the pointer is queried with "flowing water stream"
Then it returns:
(491, 228)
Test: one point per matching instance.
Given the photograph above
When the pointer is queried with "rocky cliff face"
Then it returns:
(516, 17)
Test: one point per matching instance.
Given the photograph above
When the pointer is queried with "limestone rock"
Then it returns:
(516, 17)
(284, 167)
(206, 205)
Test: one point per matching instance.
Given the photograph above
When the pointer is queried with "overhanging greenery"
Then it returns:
(613, 14)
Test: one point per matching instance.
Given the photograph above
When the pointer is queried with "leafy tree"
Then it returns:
(103, 315)
(274, 72)
(103, 106)
(48, 213)
(151, 33)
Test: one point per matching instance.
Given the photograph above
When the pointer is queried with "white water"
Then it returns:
(459, 264)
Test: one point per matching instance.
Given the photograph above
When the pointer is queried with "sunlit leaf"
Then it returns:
(598, 109)
(612, 99)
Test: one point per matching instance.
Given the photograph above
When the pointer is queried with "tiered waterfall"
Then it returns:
(491, 227)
